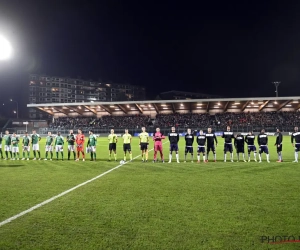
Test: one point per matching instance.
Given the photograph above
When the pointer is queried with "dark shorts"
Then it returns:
(126, 147)
(189, 150)
(211, 148)
(240, 149)
(144, 146)
(112, 146)
(263, 149)
(251, 148)
(297, 147)
(174, 147)
(201, 149)
(228, 147)
(279, 149)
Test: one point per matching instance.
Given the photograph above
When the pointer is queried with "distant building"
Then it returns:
(181, 95)
(51, 89)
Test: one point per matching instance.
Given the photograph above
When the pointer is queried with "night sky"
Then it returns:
(227, 48)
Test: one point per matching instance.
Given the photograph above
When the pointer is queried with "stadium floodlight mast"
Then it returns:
(5, 48)
(276, 87)
(17, 107)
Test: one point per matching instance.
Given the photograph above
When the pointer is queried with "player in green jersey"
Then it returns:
(35, 138)
(49, 146)
(127, 144)
(15, 146)
(7, 144)
(92, 143)
(112, 139)
(26, 146)
(1, 146)
(59, 146)
(71, 144)
(144, 141)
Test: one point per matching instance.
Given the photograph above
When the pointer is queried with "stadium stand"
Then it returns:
(243, 121)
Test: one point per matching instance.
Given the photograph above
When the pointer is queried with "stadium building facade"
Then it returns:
(51, 89)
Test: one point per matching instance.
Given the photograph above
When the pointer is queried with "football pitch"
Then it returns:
(151, 205)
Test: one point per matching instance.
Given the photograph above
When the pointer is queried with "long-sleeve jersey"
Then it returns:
(211, 138)
(239, 141)
(173, 137)
(262, 139)
(278, 139)
(201, 139)
(158, 136)
(295, 136)
(189, 139)
(228, 136)
(249, 139)
(80, 139)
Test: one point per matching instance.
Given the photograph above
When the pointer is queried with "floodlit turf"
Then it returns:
(151, 206)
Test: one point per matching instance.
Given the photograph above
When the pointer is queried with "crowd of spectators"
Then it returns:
(132, 121)
(193, 120)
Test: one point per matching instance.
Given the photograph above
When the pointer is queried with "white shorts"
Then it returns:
(93, 148)
(59, 148)
(71, 147)
(49, 148)
(7, 147)
(35, 147)
(26, 148)
(15, 149)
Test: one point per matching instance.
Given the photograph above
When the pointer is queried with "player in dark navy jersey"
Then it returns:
(189, 140)
(201, 140)
(262, 140)
(210, 142)
(278, 145)
(239, 143)
(228, 136)
(250, 139)
(295, 140)
(173, 138)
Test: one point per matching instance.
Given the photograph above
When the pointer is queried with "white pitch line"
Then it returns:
(62, 194)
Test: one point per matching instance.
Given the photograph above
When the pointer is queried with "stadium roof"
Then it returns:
(162, 106)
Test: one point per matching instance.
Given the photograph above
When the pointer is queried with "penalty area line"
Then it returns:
(2, 223)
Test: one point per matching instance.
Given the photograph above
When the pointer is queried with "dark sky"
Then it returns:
(227, 48)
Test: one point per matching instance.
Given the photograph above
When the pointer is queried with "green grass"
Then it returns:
(151, 206)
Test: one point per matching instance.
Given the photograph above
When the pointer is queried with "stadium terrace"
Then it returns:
(154, 107)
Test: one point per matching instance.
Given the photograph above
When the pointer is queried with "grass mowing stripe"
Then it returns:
(62, 194)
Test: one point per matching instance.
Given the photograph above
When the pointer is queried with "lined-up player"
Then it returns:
(201, 139)
(174, 139)
(295, 140)
(210, 142)
(157, 137)
(49, 146)
(262, 140)
(278, 145)
(250, 139)
(92, 143)
(80, 145)
(15, 146)
(189, 141)
(26, 146)
(59, 146)
(239, 143)
(127, 145)
(35, 139)
(144, 142)
(7, 144)
(71, 144)
(112, 144)
(228, 136)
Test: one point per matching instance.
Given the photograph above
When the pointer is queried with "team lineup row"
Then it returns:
(206, 142)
